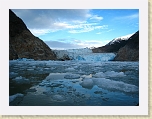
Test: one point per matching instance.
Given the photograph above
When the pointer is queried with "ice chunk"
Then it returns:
(59, 98)
(114, 85)
(72, 76)
(109, 74)
(114, 74)
(25, 59)
(21, 80)
(87, 83)
(87, 76)
(12, 97)
(99, 75)
(70, 69)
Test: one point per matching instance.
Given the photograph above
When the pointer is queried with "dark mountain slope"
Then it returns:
(130, 52)
(23, 44)
(113, 46)
(110, 48)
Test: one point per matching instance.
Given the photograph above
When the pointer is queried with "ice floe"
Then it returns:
(21, 80)
(87, 83)
(109, 74)
(114, 85)
(108, 84)
(13, 97)
(72, 76)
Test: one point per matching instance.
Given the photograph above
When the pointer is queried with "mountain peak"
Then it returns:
(118, 39)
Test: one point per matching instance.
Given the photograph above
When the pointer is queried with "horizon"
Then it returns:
(63, 29)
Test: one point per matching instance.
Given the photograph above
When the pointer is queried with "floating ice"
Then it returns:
(70, 69)
(21, 80)
(114, 85)
(25, 59)
(72, 76)
(99, 75)
(87, 83)
(114, 74)
(58, 98)
(109, 74)
(13, 97)
(108, 84)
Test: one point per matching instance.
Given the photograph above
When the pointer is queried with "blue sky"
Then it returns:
(79, 28)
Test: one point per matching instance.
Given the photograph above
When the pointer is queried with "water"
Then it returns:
(73, 83)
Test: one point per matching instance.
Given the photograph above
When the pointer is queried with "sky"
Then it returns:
(79, 28)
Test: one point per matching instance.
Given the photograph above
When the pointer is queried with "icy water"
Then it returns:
(73, 83)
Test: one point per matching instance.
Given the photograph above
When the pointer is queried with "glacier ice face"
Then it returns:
(96, 57)
(84, 54)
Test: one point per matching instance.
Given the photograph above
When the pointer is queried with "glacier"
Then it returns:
(84, 54)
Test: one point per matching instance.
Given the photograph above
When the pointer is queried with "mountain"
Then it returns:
(113, 46)
(23, 44)
(126, 48)
(130, 52)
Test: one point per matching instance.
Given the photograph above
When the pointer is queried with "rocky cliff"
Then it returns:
(23, 44)
(130, 52)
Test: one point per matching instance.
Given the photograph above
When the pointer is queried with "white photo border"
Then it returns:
(142, 109)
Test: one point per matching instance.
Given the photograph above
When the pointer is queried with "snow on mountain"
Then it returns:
(118, 39)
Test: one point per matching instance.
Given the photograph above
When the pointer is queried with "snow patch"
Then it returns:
(118, 39)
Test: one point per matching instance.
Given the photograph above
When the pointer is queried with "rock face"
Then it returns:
(130, 52)
(23, 44)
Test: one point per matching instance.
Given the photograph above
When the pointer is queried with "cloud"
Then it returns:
(75, 43)
(96, 17)
(45, 18)
(88, 28)
(128, 17)
(62, 45)
(41, 22)
(38, 32)
(109, 30)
